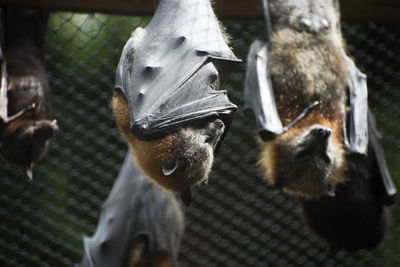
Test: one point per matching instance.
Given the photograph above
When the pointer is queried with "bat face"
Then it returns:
(178, 160)
(305, 161)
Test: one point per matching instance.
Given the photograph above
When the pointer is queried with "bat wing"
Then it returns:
(258, 93)
(386, 188)
(172, 72)
(356, 127)
(135, 208)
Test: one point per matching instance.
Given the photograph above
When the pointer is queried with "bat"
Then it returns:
(25, 131)
(140, 224)
(168, 101)
(310, 104)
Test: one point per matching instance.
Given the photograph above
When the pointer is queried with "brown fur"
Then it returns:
(136, 258)
(147, 154)
(193, 155)
(339, 193)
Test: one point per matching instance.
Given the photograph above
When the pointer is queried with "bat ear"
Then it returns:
(168, 166)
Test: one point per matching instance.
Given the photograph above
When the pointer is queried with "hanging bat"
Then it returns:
(168, 103)
(310, 105)
(140, 224)
(25, 131)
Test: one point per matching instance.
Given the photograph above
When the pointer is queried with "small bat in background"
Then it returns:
(310, 104)
(140, 224)
(168, 103)
(25, 131)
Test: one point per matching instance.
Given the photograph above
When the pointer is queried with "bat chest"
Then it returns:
(302, 74)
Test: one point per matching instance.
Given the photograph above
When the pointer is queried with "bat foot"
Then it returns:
(186, 197)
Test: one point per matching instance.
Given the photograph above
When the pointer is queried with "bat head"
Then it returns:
(304, 162)
(141, 256)
(178, 160)
(25, 141)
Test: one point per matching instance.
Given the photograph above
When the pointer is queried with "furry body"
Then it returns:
(305, 66)
(25, 139)
(342, 192)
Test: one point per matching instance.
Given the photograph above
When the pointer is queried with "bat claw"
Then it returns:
(29, 172)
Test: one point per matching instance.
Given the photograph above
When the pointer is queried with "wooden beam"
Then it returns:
(370, 10)
(124, 7)
(352, 10)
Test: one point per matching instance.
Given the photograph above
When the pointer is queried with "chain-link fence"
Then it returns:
(236, 220)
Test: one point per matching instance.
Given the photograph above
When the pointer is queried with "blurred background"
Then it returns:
(236, 220)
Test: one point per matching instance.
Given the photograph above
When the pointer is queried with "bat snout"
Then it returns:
(214, 131)
(216, 125)
(320, 132)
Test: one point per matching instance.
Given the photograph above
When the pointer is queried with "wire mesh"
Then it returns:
(236, 220)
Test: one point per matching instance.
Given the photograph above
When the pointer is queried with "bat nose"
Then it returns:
(214, 130)
(321, 131)
(317, 140)
(215, 125)
(218, 124)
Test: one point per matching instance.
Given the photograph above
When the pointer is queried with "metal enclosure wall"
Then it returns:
(236, 220)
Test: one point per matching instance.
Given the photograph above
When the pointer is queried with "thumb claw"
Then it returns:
(29, 172)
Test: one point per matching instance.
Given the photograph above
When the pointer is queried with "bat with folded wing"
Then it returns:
(168, 100)
(25, 131)
(317, 137)
(140, 224)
